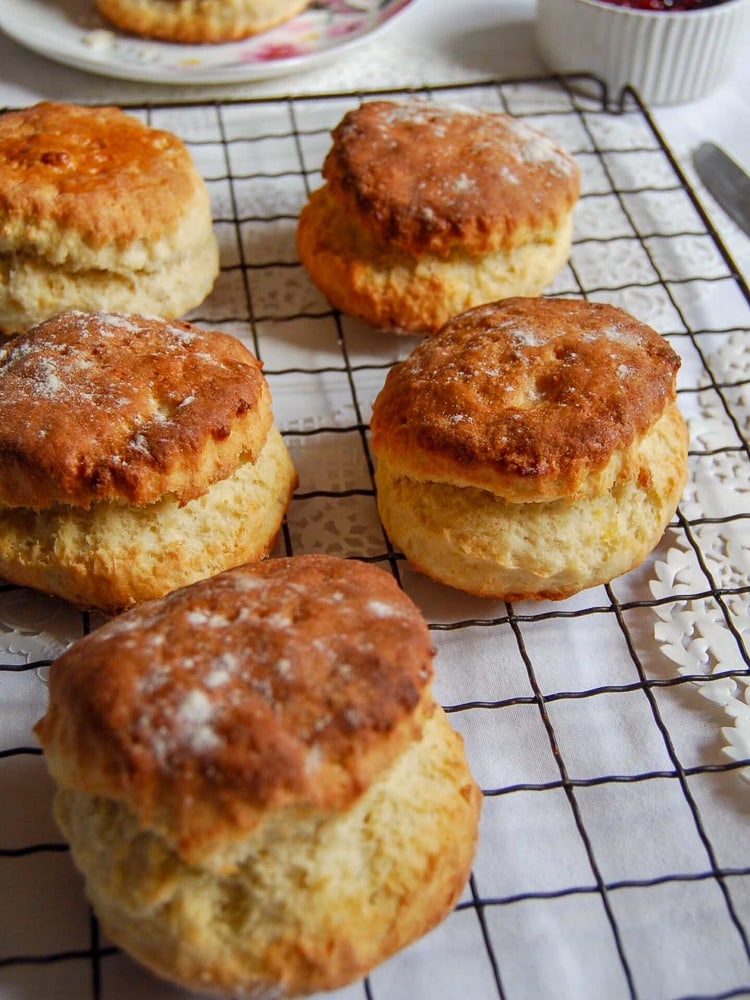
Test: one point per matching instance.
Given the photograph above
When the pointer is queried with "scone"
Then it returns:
(198, 20)
(532, 449)
(255, 780)
(99, 211)
(429, 209)
(136, 455)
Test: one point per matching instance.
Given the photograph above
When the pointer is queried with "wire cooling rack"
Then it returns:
(613, 858)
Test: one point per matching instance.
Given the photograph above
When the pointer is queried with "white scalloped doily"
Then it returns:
(699, 634)
(34, 626)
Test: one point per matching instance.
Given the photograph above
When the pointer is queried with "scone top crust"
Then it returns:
(532, 399)
(290, 683)
(98, 172)
(128, 409)
(428, 177)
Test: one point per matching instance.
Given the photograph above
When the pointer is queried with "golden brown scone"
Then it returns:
(136, 455)
(255, 780)
(195, 21)
(532, 449)
(429, 209)
(98, 211)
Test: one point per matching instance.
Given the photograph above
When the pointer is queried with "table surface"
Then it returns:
(613, 858)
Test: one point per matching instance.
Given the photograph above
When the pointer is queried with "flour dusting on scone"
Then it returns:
(137, 455)
(429, 209)
(532, 449)
(256, 782)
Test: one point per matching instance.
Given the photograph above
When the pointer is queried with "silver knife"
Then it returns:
(726, 181)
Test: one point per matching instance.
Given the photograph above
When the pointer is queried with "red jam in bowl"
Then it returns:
(666, 4)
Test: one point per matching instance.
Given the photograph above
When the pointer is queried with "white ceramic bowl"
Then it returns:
(669, 57)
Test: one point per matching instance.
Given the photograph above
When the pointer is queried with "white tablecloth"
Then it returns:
(613, 858)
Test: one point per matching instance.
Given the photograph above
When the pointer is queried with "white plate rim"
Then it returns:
(51, 31)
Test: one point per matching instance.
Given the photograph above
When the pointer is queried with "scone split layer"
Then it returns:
(532, 449)
(255, 779)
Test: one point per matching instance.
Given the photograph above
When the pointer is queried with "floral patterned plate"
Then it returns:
(71, 32)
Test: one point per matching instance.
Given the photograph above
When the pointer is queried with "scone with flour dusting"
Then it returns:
(532, 449)
(429, 209)
(136, 455)
(256, 782)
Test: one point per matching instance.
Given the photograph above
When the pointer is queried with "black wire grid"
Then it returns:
(612, 861)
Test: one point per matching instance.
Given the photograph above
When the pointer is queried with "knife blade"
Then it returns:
(726, 181)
